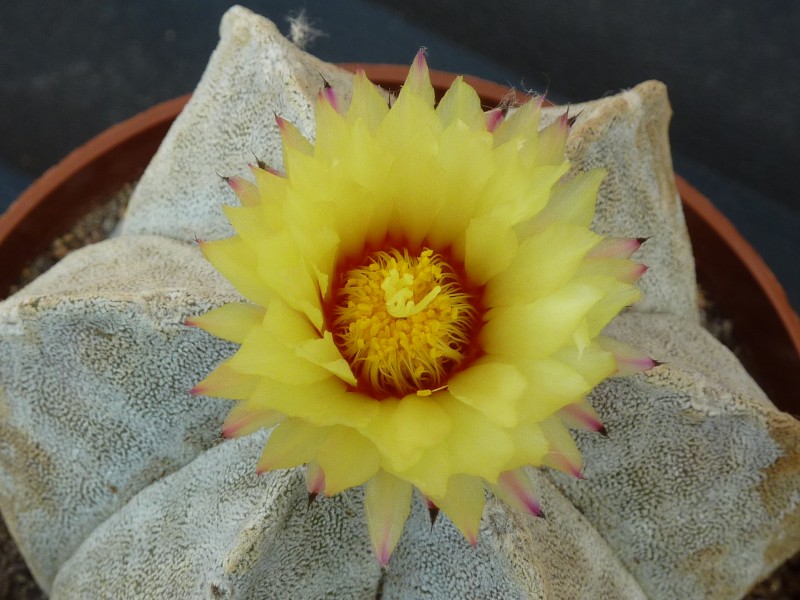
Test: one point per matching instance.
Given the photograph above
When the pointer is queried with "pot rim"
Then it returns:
(28, 226)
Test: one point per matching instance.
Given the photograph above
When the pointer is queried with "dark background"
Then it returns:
(70, 69)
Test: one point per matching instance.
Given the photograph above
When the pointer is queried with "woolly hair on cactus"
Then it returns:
(426, 301)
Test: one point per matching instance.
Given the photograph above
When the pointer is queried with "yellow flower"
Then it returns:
(426, 299)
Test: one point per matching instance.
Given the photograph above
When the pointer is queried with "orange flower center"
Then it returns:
(403, 323)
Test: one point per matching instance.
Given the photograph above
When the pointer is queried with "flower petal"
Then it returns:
(403, 429)
(523, 122)
(492, 388)
(616, 247)
(545, 262)
(581, 415)
(530, 445)
(323, 403)
(463, 504)
(563, 454)
(282, 266)
(629, 360)
(292, 138)
(387, 501)
(226, 382)
(616, 296)
(347, 458)
(367, 104)
(490, 247)
(538, 329)
(332, 130)
(551, 384)
(264, 355)
(620, 269)
(245, 190)
(431, 472)
(247, 417)
(418, 81)
(516, 489)
(572, 201)
(315, 478)
(461, 103)
(552, 139)
(323, 352)
(291, 444)
(477, 446)
(236, 262)
(232, 321)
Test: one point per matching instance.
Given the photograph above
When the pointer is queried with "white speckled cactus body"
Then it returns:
(116, 484)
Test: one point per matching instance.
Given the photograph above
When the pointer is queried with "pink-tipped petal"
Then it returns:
(515, 488)
(565, 464)
(563, 454)
(493, 118)
(581, 415)
(636, 272)
(292, 138)
(387, 502)
(245, 190)
(552, 140)
(463, 505)
(420, 61)
(247, 417)
(329, 94)
(614, 247)
(629, 359)
(291, 444)
(315, 478)
(418, 81)
(564, 121)
(268, 169)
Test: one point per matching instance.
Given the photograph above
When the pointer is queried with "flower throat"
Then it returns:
(403, 323)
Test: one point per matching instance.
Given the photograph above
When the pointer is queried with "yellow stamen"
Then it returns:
(403, 323)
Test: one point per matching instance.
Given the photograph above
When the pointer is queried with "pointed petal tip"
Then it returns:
(328, 94)
(311, 497)
(532, 506)
(493, 118)
(642, 240)
(197, 390)
(433, 513)
(383, 557)
(603, 431)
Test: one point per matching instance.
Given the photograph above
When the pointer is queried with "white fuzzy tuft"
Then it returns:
(301, 31)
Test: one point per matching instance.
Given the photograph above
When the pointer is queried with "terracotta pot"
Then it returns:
(729, 270)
